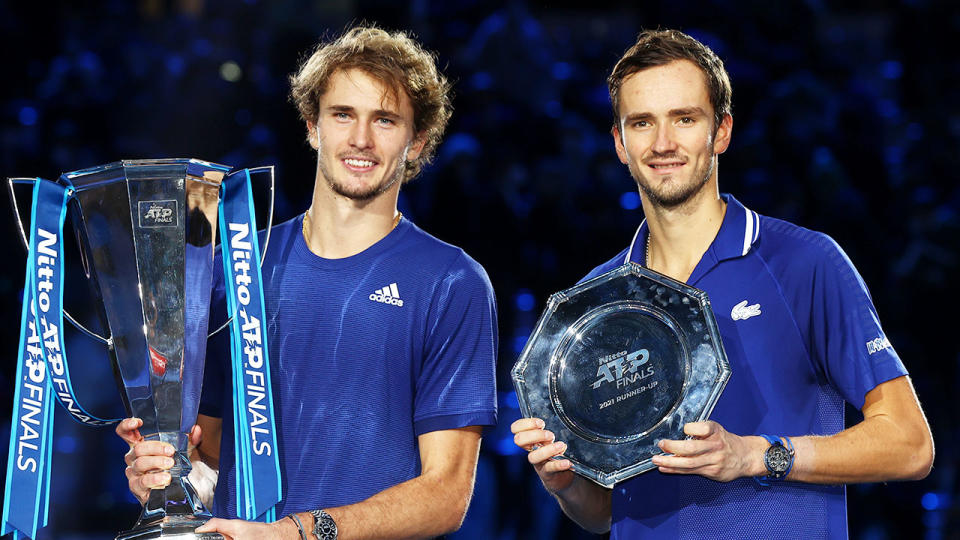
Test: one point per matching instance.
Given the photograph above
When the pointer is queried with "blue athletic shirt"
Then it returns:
(802, 336)
(366, 353)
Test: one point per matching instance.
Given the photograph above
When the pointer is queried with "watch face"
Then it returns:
(324, 528)
(777, 459)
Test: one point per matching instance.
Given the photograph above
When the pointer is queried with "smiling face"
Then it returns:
(363, 136)
(666, 134)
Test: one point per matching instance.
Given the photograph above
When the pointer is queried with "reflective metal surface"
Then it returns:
(147, 232)
(11, 182)
(618, 363)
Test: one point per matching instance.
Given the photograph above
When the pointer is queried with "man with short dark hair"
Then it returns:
(382, 338)
(797, 323)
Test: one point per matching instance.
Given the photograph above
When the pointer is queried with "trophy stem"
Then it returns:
(174, 511)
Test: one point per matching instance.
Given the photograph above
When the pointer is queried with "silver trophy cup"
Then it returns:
(147, 230)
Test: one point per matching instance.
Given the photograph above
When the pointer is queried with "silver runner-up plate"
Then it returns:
(618, 363)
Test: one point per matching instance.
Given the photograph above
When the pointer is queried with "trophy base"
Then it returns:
(170, 529)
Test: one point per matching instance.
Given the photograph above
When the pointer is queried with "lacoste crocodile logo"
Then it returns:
(742, 311)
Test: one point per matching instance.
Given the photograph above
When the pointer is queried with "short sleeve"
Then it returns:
(847, 341)
(456, 386)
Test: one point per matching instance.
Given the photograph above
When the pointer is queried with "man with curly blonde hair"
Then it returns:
(382, 338)
(412, 71)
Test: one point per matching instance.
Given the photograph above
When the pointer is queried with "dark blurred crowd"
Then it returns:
(845, 121)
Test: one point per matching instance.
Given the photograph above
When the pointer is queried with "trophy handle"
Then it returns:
(25, 243)
(266, 241)
(16, 208)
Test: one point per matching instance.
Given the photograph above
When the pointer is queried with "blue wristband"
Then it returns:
(776, 441)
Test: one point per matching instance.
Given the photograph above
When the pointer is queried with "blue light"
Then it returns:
(481, 80)
(260, 134)
(562, 71)
(519, 343)
(893, 155)
(60, 65)
(66, 444)
(934, 521)
(175, 64)
(888, 108)
(88, 61)
(930, 501)
(202, 47)
(510, 399)
(460, 142)
(914, 131)
(524, 300)
(530, 28)
(553, 108)
(28, 116)
(822, 156)
(630, 200)
(891, 69)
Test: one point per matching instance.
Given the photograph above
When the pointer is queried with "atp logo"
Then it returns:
(622, 368)
(158, 213)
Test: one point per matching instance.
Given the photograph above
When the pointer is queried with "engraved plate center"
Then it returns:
(619, 373)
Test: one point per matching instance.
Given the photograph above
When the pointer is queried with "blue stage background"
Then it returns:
(846, 121)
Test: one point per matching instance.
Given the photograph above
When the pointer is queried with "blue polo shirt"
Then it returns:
(802, 336)
(367, 353)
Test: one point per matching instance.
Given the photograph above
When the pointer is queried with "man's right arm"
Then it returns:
(584, 502)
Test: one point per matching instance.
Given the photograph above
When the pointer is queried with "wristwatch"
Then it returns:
(778, 459)
(324, 528)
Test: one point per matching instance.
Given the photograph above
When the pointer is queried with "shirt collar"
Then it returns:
(738, 232)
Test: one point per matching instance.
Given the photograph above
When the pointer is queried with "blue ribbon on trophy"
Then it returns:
(31, 425)
(42, 369)
(258, 475)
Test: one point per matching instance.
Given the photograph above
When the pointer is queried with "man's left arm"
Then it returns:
(893, 442)
(429, 505)
(456, 386)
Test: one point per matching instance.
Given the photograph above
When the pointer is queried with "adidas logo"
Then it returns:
(387, 295)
